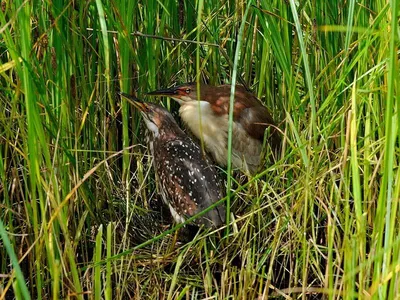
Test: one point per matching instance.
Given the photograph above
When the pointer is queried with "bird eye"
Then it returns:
(187, 91)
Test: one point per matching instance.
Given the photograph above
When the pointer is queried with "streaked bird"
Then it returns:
(210, 124)
(188, 183)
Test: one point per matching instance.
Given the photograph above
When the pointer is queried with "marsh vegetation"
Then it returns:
(80, 213)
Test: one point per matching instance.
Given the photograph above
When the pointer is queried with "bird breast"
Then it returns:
(213, 129)
(205, 125)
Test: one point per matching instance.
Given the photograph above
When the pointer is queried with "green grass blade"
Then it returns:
(108, 290)
(21, 287)
(309, 80)
(97, 270)
(231, 107)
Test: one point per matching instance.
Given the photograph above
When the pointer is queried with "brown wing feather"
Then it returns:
(255, 120)
(248, 111)
(190, 183)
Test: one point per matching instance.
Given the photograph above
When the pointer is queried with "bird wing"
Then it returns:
(192, 184)
(255, 120)
(246, 151)
(248, 111)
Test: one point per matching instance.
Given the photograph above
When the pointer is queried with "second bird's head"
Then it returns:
(183, 93)
(155, 116)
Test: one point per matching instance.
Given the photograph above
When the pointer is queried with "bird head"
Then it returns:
(155, 116)
(182, 93)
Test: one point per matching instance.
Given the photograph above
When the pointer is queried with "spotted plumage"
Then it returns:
(188, 182)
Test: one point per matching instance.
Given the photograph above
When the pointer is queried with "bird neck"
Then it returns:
(169, 132)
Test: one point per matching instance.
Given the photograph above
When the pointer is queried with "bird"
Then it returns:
(188, 182)
(250, 120)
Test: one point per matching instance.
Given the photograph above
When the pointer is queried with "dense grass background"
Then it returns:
(76, 182)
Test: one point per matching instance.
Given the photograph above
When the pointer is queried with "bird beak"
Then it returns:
(163, 92)
(134, 101)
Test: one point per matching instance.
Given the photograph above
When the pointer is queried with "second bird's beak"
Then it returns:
(134, 101)
(163, 92)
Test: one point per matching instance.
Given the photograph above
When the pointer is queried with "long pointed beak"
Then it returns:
(134, 101)
(163, 92)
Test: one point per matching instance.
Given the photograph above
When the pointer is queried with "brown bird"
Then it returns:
(250, 118)
(188, 183)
